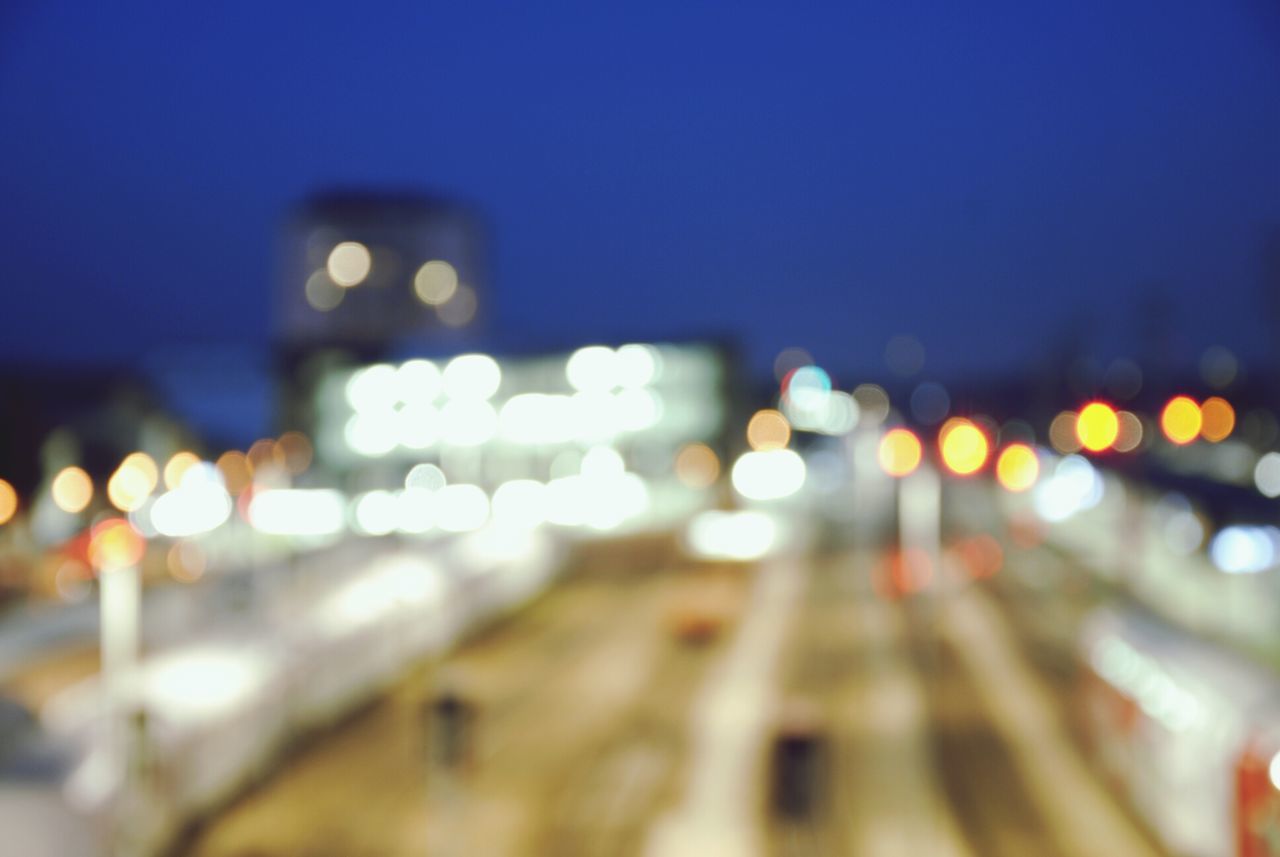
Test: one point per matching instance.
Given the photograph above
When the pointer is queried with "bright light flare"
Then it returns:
(1217, 419)
(113, 545)
(1181, 420)
(900, 452)
(72, 490)
(768, 429)
(349, 263)
(1017, 468)
(963, 445)
(741, 536)
(8, 502)
(769, 475)
(297, 512)
(1097, 426)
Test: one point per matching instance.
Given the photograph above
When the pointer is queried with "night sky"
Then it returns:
(811, 175)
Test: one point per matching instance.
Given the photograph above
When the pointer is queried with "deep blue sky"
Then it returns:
(823, 175)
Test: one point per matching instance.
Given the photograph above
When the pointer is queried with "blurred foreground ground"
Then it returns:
(604, 730)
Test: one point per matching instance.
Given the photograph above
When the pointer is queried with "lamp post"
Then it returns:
(116, 549)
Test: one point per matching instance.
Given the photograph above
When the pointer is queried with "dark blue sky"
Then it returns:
(823, 175)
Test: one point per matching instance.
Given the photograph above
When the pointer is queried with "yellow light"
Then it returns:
(1180, 420)
(178, 465)
(963, 445)
(1097, 426)
(349, 263)
(8, 502)
(1217, 419)
(1017, 468)
(72, 490)
(114, 544)
(436, 282)
(697, 465)
(133, 481)
(768, 429)
(899, 452)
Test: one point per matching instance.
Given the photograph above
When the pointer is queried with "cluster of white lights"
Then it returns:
(602, 496)
(199, 504)
(1074, 485)
(416, 406)
(1245, 549)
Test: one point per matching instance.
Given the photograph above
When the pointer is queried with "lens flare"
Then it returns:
(768, 429)
(1017, 468)
(72, 490)
(1181, 420)
(1217, 419)
(963, 445)
(900, 452)
(8, 502)
(1097, 426)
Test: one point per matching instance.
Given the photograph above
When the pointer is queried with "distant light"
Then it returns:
(472, 376)
(520, 503)
(1217, 419)
(133, 481)
(768, 429)
(419, 381)
(370, 435)
(114, 545)
(1266, 474)
(1017, 468)
(322, 293)
(1097, 426)
(807, 388)
(743, 535)
(461, 508)
(72, 490)
(374, 388)
(177, 467)
(468, 422)
(377, 513)
(1129, 436)
(436, 282)
(297, 512)
(964, 446)
(930, 403)
(900, 452)
(297, 451)
(1273, 771)
(1062, 433)
(349, 263)
(638, 365)
(461, 309)
(1244, 549)
(1180, 420)
(426, 476)
(236, 472)
(697, 466)
(873, 403)
(770, 475)
(186, 561)
(199, 505)
(1074, 486)
(8, 502)
(1218, 367)
(593, 369)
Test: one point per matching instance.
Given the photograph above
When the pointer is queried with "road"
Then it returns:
(603, 733)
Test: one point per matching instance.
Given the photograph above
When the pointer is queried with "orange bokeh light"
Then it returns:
(964, 446)
(115, 544)
(1181, 420)
(1017, 468)
(1097, 426)
(1217, 419)
(900, 452)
